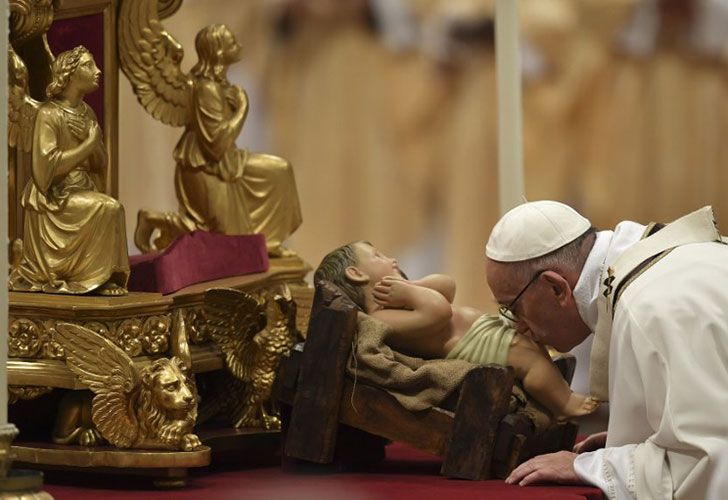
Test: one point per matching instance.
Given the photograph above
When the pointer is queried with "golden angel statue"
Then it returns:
(74, 238)
(141, 407)
(254, 335)
(219, 187)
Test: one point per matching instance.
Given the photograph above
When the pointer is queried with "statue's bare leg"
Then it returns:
(543, 381)
(579, 405)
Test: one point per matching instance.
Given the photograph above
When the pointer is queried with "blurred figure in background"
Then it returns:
(387, 112)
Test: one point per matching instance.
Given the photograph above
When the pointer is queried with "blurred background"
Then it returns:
(387, 111)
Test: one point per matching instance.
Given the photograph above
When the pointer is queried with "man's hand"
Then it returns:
(552, 468)
(392, 292)
(593, 442)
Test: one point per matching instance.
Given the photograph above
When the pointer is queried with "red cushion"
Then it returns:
(195, 257)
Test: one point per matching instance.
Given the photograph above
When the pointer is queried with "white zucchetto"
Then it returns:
(534, 229)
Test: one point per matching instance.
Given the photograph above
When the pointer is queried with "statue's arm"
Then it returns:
(98, 159)
(218, 134)
(421, 321)
(49, 160)
(439, 282)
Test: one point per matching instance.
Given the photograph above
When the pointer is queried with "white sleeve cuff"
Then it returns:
(609, 469)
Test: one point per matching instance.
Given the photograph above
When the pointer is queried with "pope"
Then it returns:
(656, 299)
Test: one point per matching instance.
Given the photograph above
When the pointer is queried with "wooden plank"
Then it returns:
(377, 412)
(483, 402)
(311, 434)
(568, 438)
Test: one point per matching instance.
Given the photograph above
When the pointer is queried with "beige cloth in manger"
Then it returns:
(418, 384)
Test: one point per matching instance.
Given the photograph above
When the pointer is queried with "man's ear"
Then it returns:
(355, 275)
(559, 286)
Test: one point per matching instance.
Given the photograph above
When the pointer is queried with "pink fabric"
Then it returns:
(196, 257)
(405, 474)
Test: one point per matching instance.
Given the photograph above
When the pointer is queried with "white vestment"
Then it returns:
(667, 364)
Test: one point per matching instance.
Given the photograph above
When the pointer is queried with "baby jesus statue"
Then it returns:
(425, 323)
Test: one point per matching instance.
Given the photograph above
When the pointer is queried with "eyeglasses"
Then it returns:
(507, 311)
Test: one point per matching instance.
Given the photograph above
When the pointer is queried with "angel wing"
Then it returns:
(110, 374)
(21, 107)
(150, 57)
(233, 318)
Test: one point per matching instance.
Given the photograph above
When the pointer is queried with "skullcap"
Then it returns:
(534, 229)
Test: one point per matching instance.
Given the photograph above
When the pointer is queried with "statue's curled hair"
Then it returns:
(210, 46)
(333, 268)
(63, 67)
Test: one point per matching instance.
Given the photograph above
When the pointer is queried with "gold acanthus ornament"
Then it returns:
(219, 187)
(254, 335)
(74, 240)
(150, 407)
(29, 19)
(35, 337)
(26, 392)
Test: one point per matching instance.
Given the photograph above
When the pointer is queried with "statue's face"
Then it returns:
(171, 390)
(231, 48)
(374, 264)
(87, 74)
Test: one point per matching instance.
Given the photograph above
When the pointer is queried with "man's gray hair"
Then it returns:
(570, 257)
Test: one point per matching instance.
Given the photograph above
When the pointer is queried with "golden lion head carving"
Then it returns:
(167, 406)
(150, 407)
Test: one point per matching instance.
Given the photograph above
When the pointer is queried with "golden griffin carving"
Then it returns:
(150, 407)
(253, 334)
(219, 187)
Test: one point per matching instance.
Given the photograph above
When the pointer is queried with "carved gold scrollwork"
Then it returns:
(97, 327)
(24, 339)
(51, 348)
(36, 338)
(26, 392)
(29, 19)
(195, 323)
(128, 336)
(155, 334)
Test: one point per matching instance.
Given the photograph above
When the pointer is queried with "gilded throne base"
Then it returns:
(146, 326)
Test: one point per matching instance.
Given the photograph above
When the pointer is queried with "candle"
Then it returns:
(510, 139)
(4, 212)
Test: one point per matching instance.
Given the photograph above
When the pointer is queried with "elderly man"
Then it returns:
(656, 298)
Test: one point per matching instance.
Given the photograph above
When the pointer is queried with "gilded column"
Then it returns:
(7, 430)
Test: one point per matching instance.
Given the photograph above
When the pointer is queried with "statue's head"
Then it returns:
(333, 268)
(216, 50)
(168, 386)
(353, 266)
(75, 67)
(166, 399)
